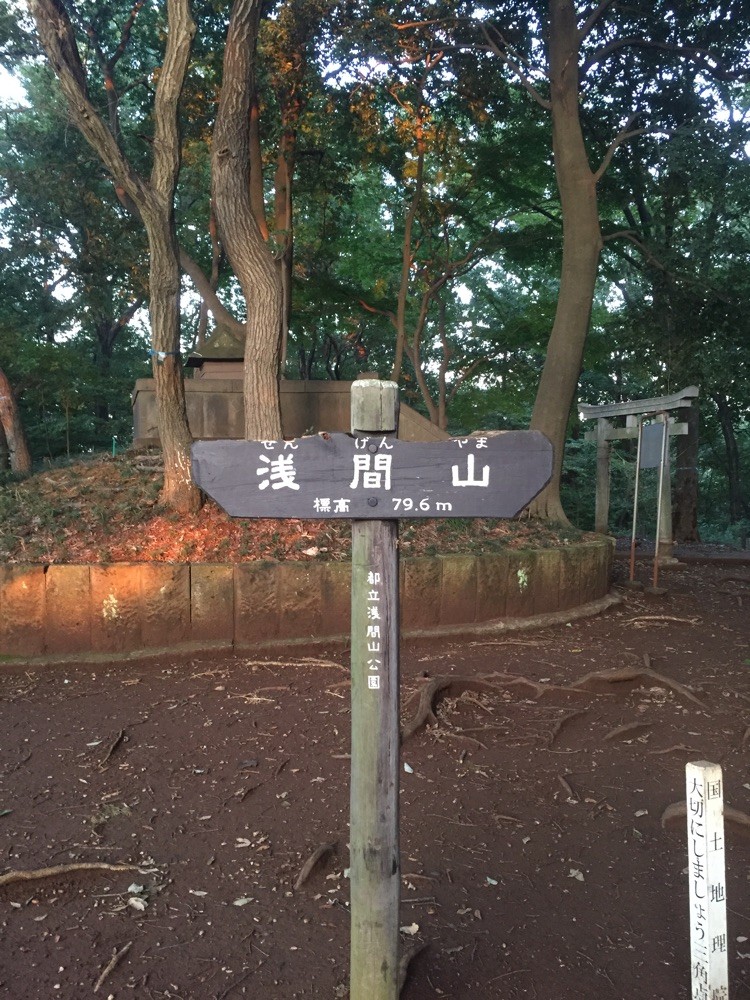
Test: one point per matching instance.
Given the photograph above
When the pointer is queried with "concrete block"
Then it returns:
(492, 585)
(300, 597)
(256, 607)
(22, 610)
(570, 578)
(458, 589)
(593, 559)
(212, 602)
(519, 602)
(165, 604)
(420, 592)
(336, 599)
(68, 609)
(546, 583)
(116, 607)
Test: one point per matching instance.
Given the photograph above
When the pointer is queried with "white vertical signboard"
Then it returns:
(706, 873)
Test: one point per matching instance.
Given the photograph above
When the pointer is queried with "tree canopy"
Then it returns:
(505, 207)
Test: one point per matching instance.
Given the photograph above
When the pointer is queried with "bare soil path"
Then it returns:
(534, 860)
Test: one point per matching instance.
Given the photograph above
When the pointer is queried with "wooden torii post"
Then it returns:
(605, 433)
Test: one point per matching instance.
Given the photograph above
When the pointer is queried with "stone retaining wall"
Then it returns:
(124, 607)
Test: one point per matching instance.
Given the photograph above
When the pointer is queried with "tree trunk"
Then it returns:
(4, 451)
(284, 225)
(685, 512)
(154, 202)
(582, 244)
(10, 419)
(251, 260)
(164, 310)
(737, 505)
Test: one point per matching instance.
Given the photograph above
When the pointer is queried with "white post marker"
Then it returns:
(706, 873)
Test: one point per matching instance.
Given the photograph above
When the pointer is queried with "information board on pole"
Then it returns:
(374, 476)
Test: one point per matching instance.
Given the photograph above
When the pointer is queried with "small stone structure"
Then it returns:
(216, 410)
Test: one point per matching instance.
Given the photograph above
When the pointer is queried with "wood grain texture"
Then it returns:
(343, 476)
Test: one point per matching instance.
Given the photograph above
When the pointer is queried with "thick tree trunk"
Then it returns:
(582, 244)
(164, 302)
(153, 200)
(685, 512)
(284, 226)
(248, 254)
(737, 506)
(10, 420)
(4, 451)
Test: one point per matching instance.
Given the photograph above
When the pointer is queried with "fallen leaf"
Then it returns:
(410, 929)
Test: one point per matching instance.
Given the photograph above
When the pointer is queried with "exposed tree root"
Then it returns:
(675, 748)
(312, 862)
(677, 812)
(557, 728)
(623, 674)
(406, 959)
(456, 684)
(627, 730)
(31, 874)
(568, 789)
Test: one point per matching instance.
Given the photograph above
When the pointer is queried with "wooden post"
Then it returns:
(707, 883)
(375, 869)
(631, 575)
(603, 451)
(665, 541)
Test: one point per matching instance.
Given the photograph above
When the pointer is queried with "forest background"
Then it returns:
(507, 207)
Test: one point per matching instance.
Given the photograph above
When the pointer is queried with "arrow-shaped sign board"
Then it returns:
(345, 476)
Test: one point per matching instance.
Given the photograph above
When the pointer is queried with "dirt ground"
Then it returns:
(534, 860)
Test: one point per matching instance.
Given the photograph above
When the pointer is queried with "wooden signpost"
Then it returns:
(374, 479)
(706, 873)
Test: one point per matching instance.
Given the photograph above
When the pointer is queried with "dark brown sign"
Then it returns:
(343, 476)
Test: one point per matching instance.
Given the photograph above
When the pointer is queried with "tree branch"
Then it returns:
(166, 164)
(621, 137)
(58, 40)
(700, 55)
(203, 286)
(593, 18)
(513, 65)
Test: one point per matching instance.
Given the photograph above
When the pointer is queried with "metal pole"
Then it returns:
(374, 835)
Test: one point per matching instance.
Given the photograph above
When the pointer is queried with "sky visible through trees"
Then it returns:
(508, 208)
